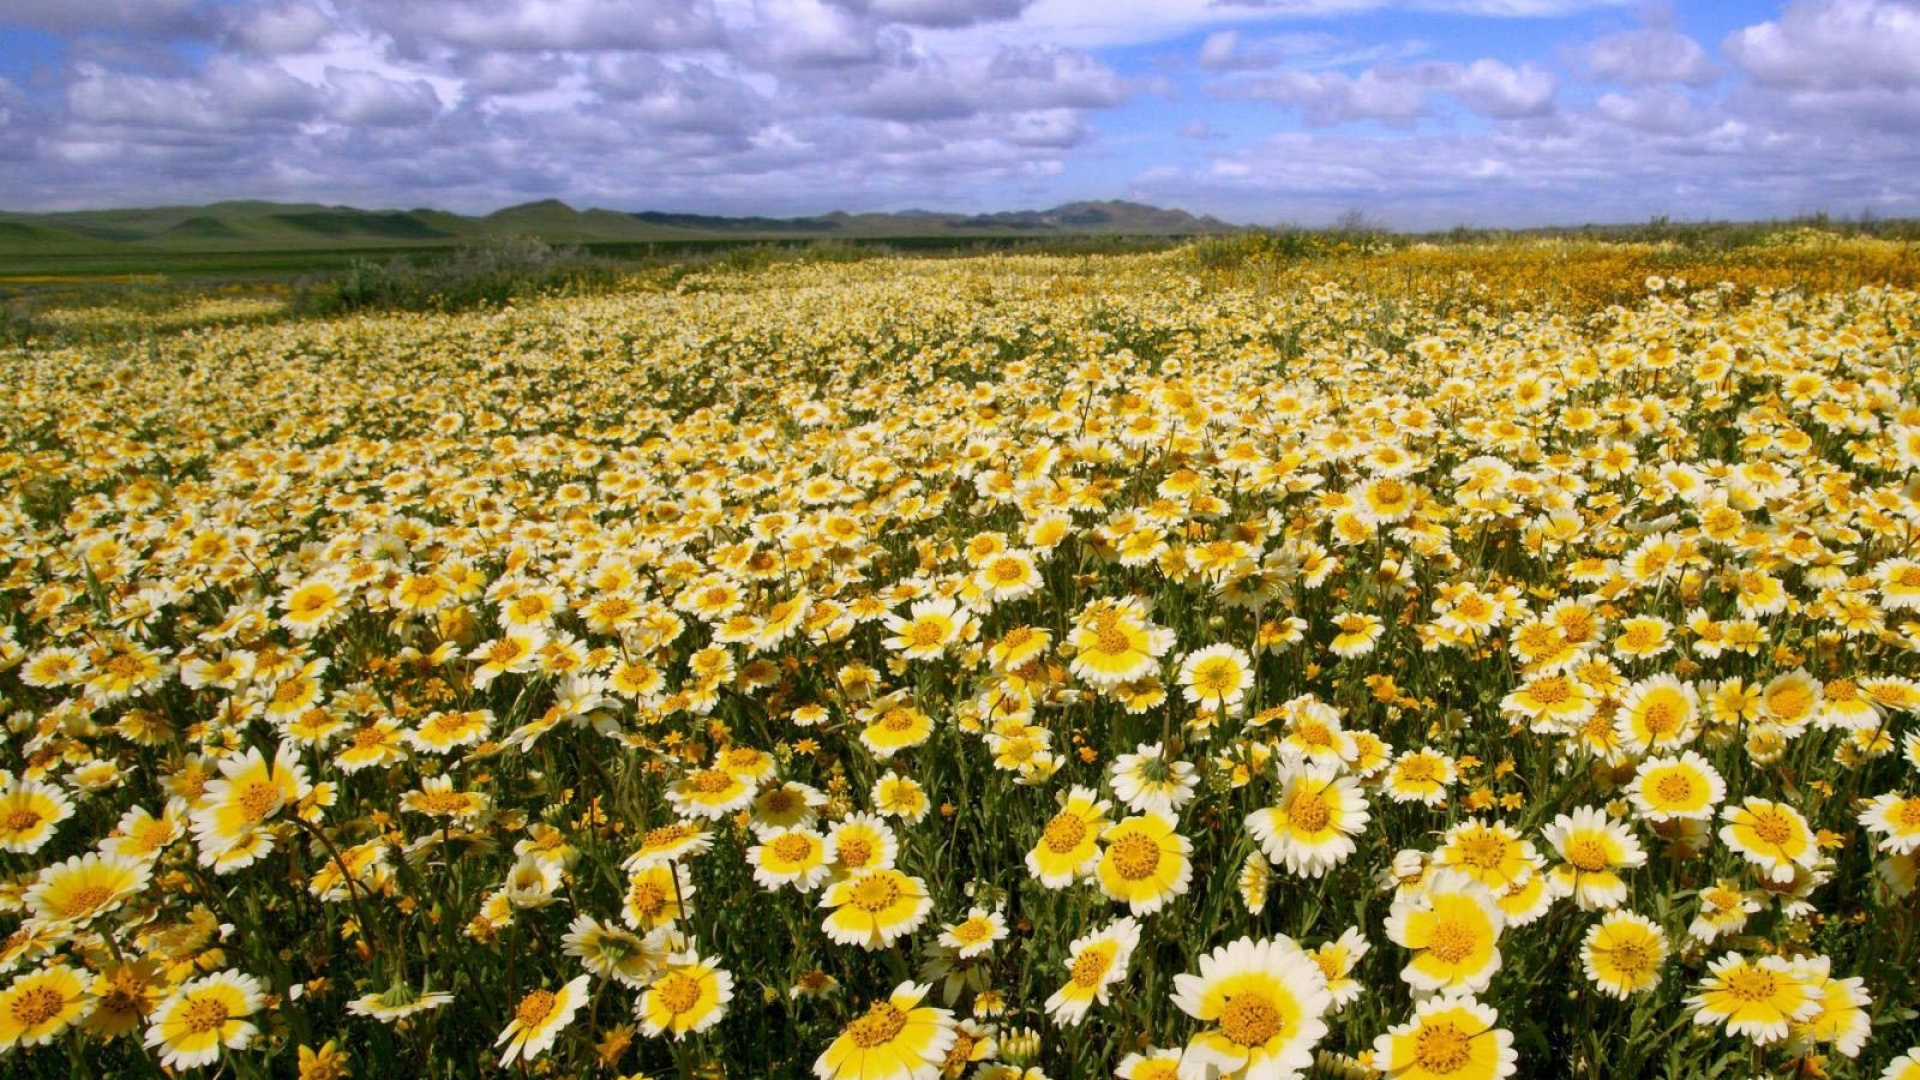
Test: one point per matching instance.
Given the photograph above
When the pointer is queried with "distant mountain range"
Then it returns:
(266, 226)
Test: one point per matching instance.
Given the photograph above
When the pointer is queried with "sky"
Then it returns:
(1421, 114)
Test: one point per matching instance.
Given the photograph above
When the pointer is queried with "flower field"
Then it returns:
(1145, 665)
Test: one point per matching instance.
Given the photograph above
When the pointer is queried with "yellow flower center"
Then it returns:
(259, 799)
(928, 632)
(1589, 853)
(665, 835)
(854, 851)
(1250, 1020)
(1442, 1048)
(1772, 826)
(1482, 850)
(1091, 966)
(878, 1027)
(678, 991)
(37, 1005)
(1452, 941)
(1308, 811)
(1419, 770)
(85, 900)
(122, 666)
(1007, 571)
(1752, 984)
(1218, 676)
(1064, 833)
(710, 781)
(1110, 639)
(1908, 815)
(203, 1015)
(791, 848)
(1550, 691)
(444, 802)
(647, 898)
(897, 721)
(875, 894)
(1674, 787)
(21, 819)
(1660, 718)
(1135, 857)
(369, 737)
(534, 1008)
(973, 930)
(1633, 958)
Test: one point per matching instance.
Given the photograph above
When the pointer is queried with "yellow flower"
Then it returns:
(38, 1006)
(689, 996)
(1453, 927)
(1676, 788)
(1264, 1001)
(1312, 828)
(1095, 961)
(1595, 848)
(1756, 998)
(86, 886)
(230, 825)
(29, 810)
(538, 1019)
(1113, 642)
(1771, 835)
(1070, 844)
(1623, 952)
(327, 1063)
(874, 908)
(204, 1015)
(1145, 864)
(1449, 1038)
(895, 1039)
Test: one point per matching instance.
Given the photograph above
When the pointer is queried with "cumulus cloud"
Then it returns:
(536, 25)
(370, 99)
(1833, 45)
(1400, 94)
(58, 16)
(278, 28)
(1654, 54)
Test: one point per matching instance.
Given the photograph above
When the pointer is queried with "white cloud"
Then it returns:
(369, 99)
(1833, 45)
(1653, 54)
(1400, 94)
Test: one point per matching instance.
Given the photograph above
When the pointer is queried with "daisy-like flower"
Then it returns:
(1070, 844)
(669, 843)
(1114, 642)
(875, 908)
(29, 812)
(1455, 1038)
(1686, 787)
(1357, 633)
(1760, 999)
(1453, 927)
(796, 857)
(1724, 908)
(1018, 647)
(1148, 782)
(1337, 959)
(689, 996)
(1791, 700)
(86, 886)
(1150, 1064)
(1094, 963)
(1841, 1020)
(1595, 848)
(397, 1003)
(1264, 1002)
(514, 652)
(1657, 714)
(40, 1005)
(975, 934)
(612, 953)
(1899, 582)
(1623, 952)
(1770, 835)
(204, 1015)
(1421, 776)
(539, 1019)
(789, 805)
(862, 842)
(230, 824)
(1491, 853)
(1312, 828)
(1551, 701)
(312, 606)
(657, 895)
(1145, 864)
(1008, 575)
(709, 793)
(900, 796)
(1904, 1067)
(933, 624)
(1216, 677)
(895, 1039)
(893, 726)
(1895, 819)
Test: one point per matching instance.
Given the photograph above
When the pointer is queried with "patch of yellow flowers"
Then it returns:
(1002, 668)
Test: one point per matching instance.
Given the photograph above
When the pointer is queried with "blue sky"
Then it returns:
(1421, 114)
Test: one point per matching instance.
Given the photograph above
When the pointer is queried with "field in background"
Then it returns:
(673, 668)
